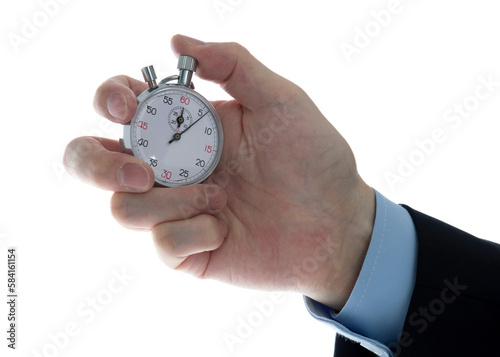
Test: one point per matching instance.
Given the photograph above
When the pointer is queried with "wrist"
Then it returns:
(352, 230)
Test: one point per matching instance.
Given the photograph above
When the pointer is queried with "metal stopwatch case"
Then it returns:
(175, 129)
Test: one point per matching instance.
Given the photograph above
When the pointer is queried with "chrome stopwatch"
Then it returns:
(175, 129)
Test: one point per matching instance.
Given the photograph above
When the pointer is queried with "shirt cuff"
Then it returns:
(376, 309)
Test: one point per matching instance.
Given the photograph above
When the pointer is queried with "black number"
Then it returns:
(184, 173)
(142, 142)
(151, 110)
(153, 162)
(200, 112)
(167, 100)
(200, 163)
(208, 131)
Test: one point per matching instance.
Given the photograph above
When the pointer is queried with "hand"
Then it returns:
(284, 210)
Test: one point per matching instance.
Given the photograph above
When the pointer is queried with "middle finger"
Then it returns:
(145, 210)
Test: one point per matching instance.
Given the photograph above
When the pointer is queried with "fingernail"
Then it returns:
(117, 106)
(134, 177)
(216, 197)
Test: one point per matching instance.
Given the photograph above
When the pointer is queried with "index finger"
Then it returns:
(116, 98)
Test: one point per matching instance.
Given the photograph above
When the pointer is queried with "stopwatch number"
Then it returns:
(143, 125)
(167, 100)
(166, 174)
(208, 131)
(185, 100)
(208, 148)
(151, 110)
(153, 162)
(142, 142)
(200, 162)
(184, 173)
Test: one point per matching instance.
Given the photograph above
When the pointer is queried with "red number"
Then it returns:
(185, 100)
(166, 174)
(208, 148)
(143, 125)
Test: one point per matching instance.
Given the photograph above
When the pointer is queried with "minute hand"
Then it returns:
(177, 136)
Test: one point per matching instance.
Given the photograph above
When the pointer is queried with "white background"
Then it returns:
(393, 92)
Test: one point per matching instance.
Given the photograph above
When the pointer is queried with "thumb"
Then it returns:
(240, 74)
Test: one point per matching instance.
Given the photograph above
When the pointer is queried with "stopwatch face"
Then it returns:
(178, 133)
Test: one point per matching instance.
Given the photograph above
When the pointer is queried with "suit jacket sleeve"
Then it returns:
(455, 306)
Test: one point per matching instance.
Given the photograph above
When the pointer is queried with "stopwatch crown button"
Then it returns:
(187, 63)
(149, 76)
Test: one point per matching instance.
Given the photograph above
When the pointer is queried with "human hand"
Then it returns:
(284, 210)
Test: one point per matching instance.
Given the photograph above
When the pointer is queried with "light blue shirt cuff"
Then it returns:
(376, 310)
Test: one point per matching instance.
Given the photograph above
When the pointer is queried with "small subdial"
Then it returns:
(179, 119)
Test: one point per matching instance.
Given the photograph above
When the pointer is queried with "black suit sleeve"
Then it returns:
(455, 307)
(345, 347)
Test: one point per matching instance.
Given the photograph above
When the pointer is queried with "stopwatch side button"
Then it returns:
(149, 76)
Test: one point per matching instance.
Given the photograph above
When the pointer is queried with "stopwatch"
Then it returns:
(175, 130)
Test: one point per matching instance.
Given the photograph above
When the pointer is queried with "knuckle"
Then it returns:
(165, 239)
(101, 168)
(191, 201)
(121, 208)
(238, 48)
(180, 239)
(199, 199)
(210, 232)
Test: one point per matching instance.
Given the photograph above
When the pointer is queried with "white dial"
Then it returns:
(178, 133)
